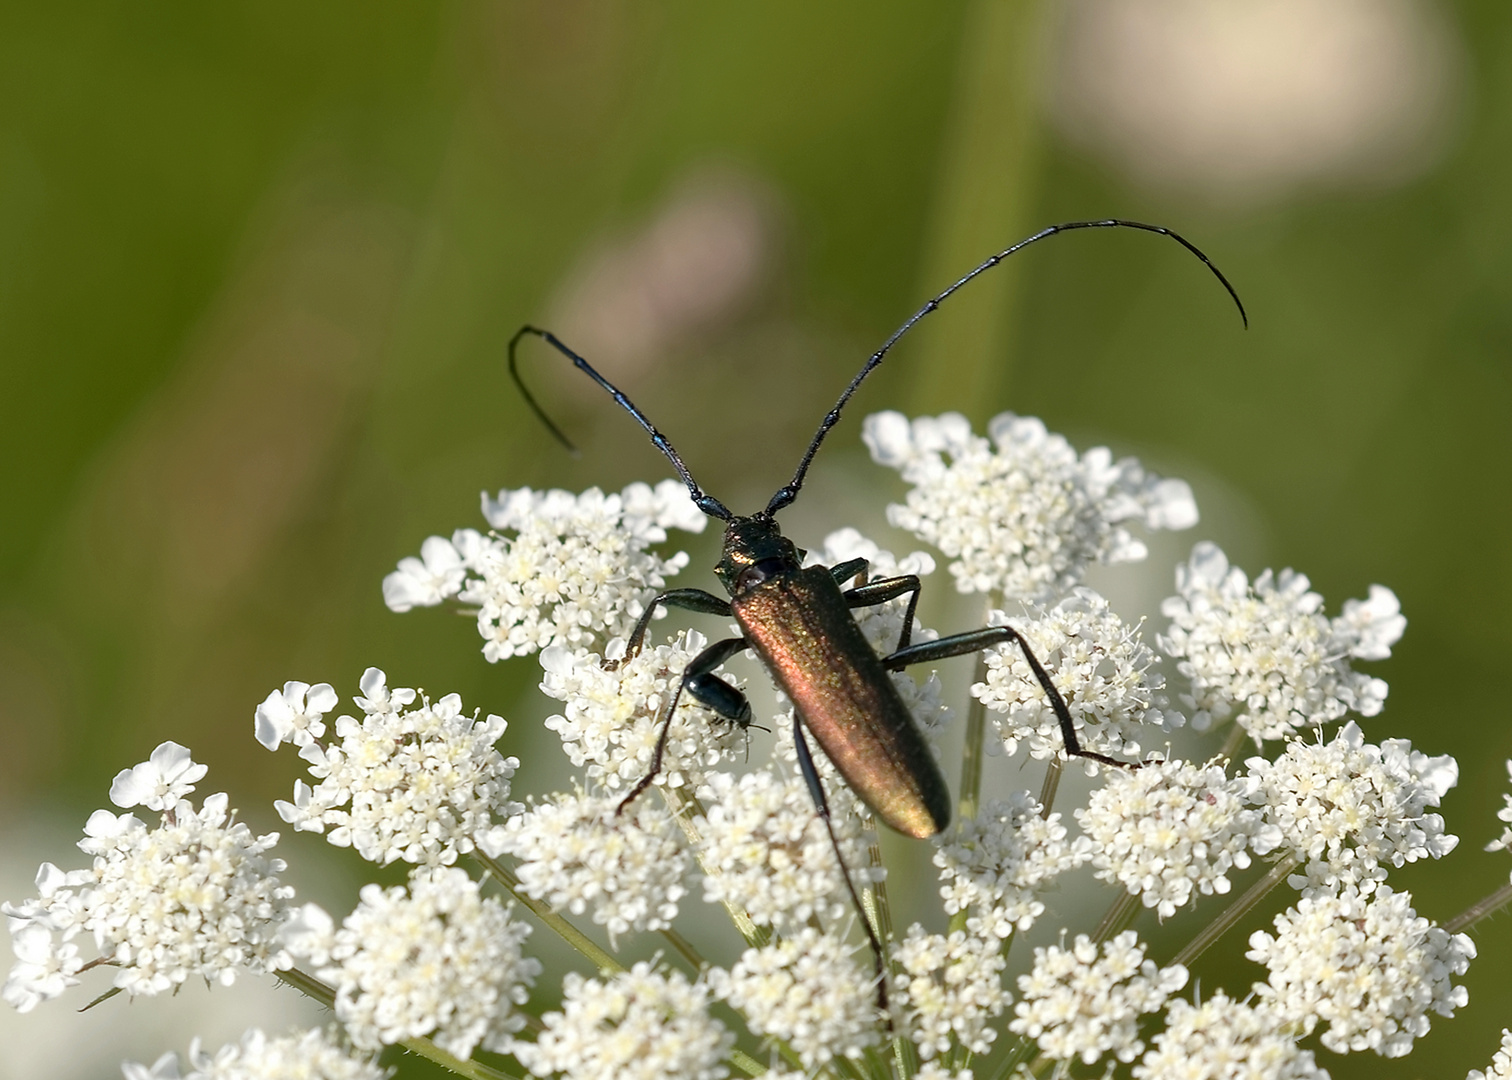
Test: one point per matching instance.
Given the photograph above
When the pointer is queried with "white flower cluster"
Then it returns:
(1349, 807)
(309, 1055)
(575, 573)
(1501, 1064)
(1222, 1039)
(1265, 655)
(949, 989)
(636, 1025)
(438, 959)
(1022, 514)
(1171, 829)
(1100, 665)
(1366, 965)
(195, 897)
(765, 850)
(416, 784)
(995, 864)
(578, 850)
(566, 576)
(612, 716)
(1086, 1001)
(808, 991)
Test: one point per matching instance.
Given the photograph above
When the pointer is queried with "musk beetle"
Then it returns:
(797, 620)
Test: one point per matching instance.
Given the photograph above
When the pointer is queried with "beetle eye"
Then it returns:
(756, 573)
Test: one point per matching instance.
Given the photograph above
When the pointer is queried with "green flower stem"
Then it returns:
(473, 1070)
(879, 913)
(568, 933)
(1051, 786)
(685, 807)
(1480, 909)
(971, 752)
(1236, 911)
(1020, 1052)
(313, 988)
(1232, 744)
(976, 736)
(1117, 918)
(989, 167)
(685, 949)
(745, 1063)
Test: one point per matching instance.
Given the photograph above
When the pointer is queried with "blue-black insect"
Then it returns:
(798, 622)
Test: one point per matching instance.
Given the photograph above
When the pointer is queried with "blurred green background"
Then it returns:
(258, 263)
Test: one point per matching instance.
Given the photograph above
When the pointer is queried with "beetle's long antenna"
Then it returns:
(707, 503)
(787, 494)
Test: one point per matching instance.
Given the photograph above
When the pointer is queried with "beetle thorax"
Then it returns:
(754, 550)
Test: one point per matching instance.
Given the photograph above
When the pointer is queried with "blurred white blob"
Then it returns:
(695, 266)
(1247, 101)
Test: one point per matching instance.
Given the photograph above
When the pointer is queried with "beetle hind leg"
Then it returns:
(976, 640)
(816, 792)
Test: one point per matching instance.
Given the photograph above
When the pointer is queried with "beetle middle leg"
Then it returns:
(975, 640)
(706, 688)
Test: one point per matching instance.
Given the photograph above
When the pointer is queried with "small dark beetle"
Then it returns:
(798, 621)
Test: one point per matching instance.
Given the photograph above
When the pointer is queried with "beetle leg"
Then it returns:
(883, 590)
(974, 640)
(687, 599)
(696, 679)
(816, 791)
(843, 572)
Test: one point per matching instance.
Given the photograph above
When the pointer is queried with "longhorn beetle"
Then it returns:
(797, 620)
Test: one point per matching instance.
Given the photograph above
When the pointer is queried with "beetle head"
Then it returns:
(754, 550)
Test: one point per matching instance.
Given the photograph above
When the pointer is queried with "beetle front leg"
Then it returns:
(884, 589)
(975, 640)
(687, 599)
(706, 688)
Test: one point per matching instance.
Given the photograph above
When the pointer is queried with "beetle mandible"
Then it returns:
(797, 621)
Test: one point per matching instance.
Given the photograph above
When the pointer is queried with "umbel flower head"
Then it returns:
(441, 963)
(195, 895)
(1264, 655)
(1021, 513)
(558, 569)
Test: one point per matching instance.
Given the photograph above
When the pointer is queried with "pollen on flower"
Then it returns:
(949, 989)
(996, 864)
(1366, 965)
(1022, 514)
(808, 991)
(637, 1023)
(1223, 1039)
(1086, 1001)
(612, 717)
(1265, 655)
(558, 569)
(417, 784)
(435, 959)
(1173, 829)
(764, 849)
(1349, 808)
(1100, 665)
(577, 851)
(197, 896)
